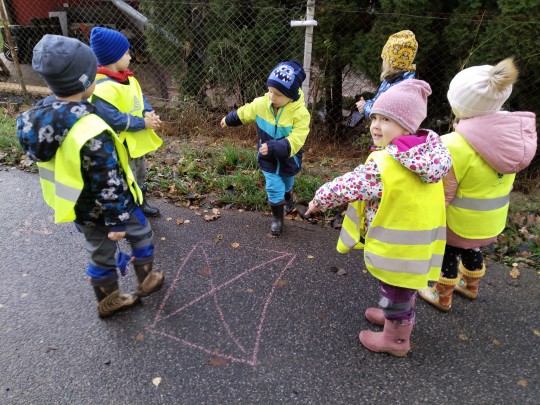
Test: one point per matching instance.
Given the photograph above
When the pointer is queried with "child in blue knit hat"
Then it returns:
(84, 172)
(283, 126)
(119, 100)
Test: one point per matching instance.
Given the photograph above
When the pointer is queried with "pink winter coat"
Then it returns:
(506, 141)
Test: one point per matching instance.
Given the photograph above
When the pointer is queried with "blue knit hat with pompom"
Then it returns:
(108, 45)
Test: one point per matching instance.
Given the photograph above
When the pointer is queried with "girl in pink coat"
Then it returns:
(488, 148)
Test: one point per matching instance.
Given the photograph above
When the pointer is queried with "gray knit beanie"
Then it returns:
(66, 64)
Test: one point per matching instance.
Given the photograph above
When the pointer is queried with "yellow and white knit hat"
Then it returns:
(400, 50)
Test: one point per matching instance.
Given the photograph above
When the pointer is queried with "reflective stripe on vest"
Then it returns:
(482, 199)
(401, 250)
(128, 99)
(351, 235)
(61, 177)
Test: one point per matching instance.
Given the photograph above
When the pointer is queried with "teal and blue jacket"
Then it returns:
(284, 132)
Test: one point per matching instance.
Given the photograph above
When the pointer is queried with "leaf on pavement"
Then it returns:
(235, 245)
(496, 342)
(535, 331)
(156, 381)
(282, 283)
(523, 383)
(514, 273)
(218, 361)
(206, 272)
(218, 238)
(139, 337)
(311, 257)
(179, 221)
(250, 290)
(463, 337)
(169, 218)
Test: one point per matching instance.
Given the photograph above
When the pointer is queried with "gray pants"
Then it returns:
(102, 250)
(138, 167)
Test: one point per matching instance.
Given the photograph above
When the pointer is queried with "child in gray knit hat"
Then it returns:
(84, 171)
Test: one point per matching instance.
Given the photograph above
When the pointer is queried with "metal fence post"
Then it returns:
(309, 23)
(13, 52)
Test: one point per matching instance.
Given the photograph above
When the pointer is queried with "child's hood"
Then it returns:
(505, 140)
(42, 129)
(424, 154)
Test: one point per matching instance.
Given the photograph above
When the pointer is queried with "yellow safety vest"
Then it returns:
(128, 98)
(404, 245)
(61, 177)
(480, 206)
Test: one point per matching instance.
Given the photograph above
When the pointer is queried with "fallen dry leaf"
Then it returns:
(282, 283)
(218, 238)
(235, 245)
(163, 238)
(139, 337)
(311, 257)
(218, 361)
(179, 221)
(169, 218)
(250, 290)
(514, 273)
(209, 218)
(216, 211)
(463, 336)
(535, 331)
(156, 381)
(206, 272)
(523, 383)
(496, 342)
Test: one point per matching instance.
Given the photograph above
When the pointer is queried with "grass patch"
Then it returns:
(10, 149)
(200, 165)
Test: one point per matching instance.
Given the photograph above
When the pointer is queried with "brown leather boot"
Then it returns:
(149, 280)
(111, 300)
(440, 295)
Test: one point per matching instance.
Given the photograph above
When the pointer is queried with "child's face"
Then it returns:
(277, 98)
(123, 63)
(384, 130)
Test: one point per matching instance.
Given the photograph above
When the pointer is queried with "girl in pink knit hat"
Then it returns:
(396, 211)
(488, 148)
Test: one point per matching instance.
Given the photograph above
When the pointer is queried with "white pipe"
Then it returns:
(309, 23)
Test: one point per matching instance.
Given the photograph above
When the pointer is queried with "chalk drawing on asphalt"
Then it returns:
(219, 300)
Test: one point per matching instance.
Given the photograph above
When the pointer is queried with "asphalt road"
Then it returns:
(243, 318)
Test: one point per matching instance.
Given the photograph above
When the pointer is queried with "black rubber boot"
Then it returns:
(147, 209)
(149, 281)
(288, 203)
(111, 300)
(277, 221)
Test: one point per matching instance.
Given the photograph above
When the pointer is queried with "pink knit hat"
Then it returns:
(405, 103)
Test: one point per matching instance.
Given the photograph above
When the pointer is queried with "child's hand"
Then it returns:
(264, 149)
(312, 209)
(223, 123)
(360, 104)
(116, 236)
(152, 120)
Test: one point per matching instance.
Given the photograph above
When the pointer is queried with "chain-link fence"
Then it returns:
(217, 53)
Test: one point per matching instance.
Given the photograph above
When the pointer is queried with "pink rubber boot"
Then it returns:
(394, 339)
(375, 316)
